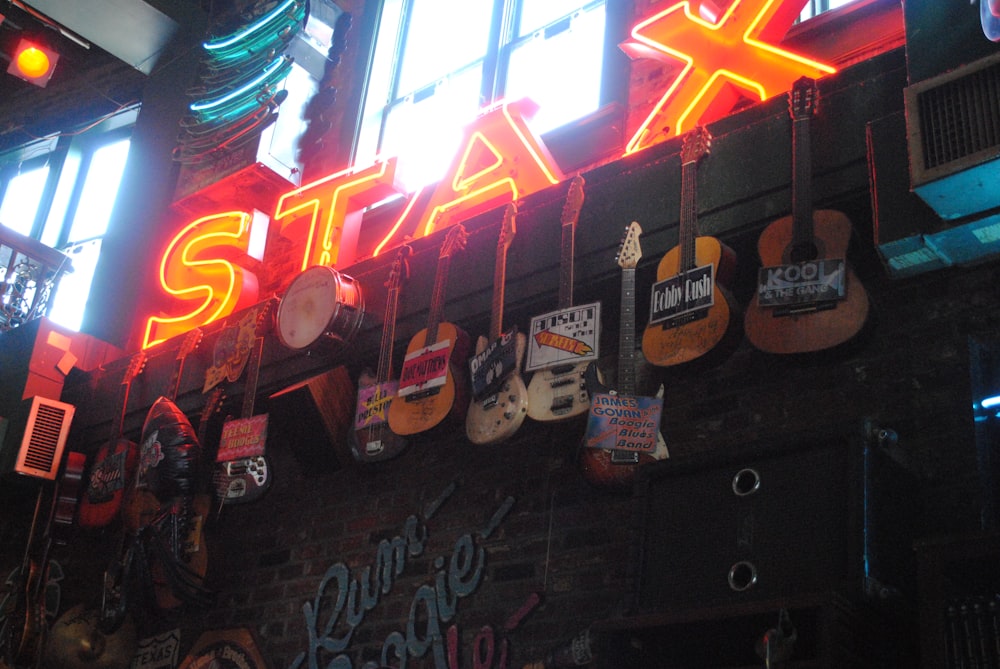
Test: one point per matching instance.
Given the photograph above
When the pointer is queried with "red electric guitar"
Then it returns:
(432, 384)
(805, 254)
(115, 461)
(615, 468)
(690, 311)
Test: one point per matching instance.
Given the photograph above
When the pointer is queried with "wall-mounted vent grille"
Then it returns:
(44, 438)
(953, 127)
(960, 118)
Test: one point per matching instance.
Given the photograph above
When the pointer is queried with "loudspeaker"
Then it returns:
(779, 519)
(35, 438)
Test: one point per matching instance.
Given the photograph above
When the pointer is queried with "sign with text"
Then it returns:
(566, 336)
(682, 295)
(488, 368)
(801, 284)
(424, 369)
(623, 422)
(243, 438)
(373, 401)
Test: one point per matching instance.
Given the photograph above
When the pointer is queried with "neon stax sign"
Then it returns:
(204, 271)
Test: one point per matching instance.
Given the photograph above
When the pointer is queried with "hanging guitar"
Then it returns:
(432, 380)
(242, 472)
(558, 392)
(372, 440)
(25, 627)
(615, 468)
(115, 461)
(690, 306)
(502, 402)
(808, 297)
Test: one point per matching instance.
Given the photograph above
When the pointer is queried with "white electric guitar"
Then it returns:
(498, 416)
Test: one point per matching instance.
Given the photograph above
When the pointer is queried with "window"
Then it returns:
(817, 7)
(436, 63)
(61, 191)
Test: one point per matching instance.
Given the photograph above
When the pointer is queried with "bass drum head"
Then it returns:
(320, 307)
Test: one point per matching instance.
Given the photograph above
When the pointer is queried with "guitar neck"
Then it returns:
(388, 333)
(566, 256)
(499, 275)
(626, 335)
(253, 375)
(437, 300)
(689, 214)
(802, 216)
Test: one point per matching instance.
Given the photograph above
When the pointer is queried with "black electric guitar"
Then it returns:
(691, 310)
(372, 440)
(494, 418)
(609, 467)
(25, 627)
(245, 478)
(559, 392)
(804, 254)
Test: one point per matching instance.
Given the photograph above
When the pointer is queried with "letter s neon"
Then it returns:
(194, 269)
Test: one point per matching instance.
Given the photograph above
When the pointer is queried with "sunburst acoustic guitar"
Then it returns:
(691, 309)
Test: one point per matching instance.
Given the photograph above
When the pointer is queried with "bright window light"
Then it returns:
(20, 202)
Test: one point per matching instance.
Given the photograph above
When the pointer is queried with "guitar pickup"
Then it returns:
(562, 404)
(622, 457)
(565, 381)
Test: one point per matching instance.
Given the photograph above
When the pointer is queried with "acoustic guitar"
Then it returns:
(115, 461)
(608, 467)
(690, 305)
(498, 416)
(432, 384)
(808, 297)
(559, 392)
(372, 440)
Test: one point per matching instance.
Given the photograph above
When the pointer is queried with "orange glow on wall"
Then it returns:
(194, 270)
(501, 160)
(720, 61)
(327, 212)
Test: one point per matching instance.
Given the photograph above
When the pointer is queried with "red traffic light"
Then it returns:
(33, 62)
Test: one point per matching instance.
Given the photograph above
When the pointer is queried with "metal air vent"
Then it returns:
(44, 439)
(953, 132)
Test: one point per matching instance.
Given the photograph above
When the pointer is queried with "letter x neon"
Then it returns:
(716, 57)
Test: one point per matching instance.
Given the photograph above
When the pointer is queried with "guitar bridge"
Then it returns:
(804, 308)
(684, 319)
(422, 394)
(562, 404)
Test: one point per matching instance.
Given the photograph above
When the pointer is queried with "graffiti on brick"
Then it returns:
(345, 596)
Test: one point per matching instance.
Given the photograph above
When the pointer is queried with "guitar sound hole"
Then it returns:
(803, 252)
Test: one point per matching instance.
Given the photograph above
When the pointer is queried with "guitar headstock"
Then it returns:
(454, 241)
(508, 228)
(400, 266)
(191, 341)
(135, 366)
(574, 201)
(696, 145)
(803, 99)
(212, 405)
(265, 318)
(630, 251)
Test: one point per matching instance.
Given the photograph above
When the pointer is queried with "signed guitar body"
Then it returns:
(424, 410)
(499, 416)
(811, 330)
(666, 346)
